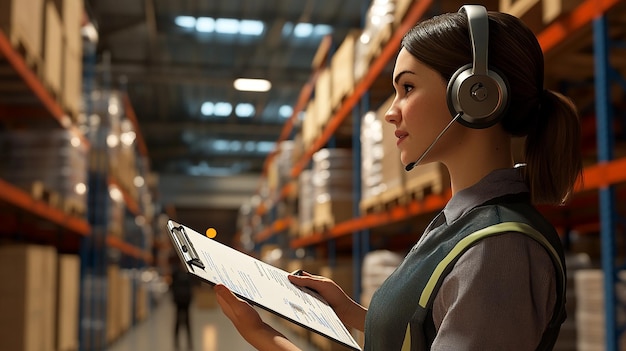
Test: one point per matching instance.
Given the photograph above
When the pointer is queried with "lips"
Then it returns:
(401, 136)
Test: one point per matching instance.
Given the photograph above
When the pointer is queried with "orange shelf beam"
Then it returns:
(284, 192)
(131, 204)
(276, 227)
(21, 199)
(602, 175)
(594, 177)
(388, 52)
(39, 90)
(579, 17)
(430, 204)
(128, 249)
(303, 99)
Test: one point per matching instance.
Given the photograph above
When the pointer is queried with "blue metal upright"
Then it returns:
(608, 215)
(93, 273)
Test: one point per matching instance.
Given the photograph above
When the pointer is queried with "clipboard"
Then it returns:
(258, 283)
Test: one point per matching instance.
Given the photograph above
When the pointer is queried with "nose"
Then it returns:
(393, 114)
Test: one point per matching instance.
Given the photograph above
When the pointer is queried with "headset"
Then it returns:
(479, 94)
(476, 95)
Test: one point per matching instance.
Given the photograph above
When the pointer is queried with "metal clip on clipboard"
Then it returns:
(186, 247)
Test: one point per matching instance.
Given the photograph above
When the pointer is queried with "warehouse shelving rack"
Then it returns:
(104, 250)
(600, 179)
(30, 219)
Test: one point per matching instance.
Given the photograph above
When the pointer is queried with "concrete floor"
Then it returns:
(211, 331)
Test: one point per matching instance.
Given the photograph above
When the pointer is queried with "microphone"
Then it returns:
(412, 165)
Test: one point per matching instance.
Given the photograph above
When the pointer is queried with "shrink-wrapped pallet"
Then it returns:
(591, 309)
(332, 183)
(377, 266)
(46, 162)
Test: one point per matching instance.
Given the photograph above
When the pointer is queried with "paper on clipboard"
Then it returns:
(258, 283)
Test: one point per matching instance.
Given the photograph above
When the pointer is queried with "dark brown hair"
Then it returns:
(547, 119)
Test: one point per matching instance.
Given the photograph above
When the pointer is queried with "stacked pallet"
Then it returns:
(50, 165)
(332, 184)
(305, 203)
(377, 266)
(590, 309)
(382, 171)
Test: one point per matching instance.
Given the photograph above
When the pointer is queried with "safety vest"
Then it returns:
(406, 319)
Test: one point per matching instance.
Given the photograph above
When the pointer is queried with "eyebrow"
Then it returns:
(397, 78)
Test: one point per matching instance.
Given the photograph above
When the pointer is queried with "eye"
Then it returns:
(407, 87)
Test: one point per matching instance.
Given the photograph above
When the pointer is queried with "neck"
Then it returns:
(477, 155)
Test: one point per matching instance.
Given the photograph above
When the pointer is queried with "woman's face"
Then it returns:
(419, 110)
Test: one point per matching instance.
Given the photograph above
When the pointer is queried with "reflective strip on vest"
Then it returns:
(406, 344)
(469, 240)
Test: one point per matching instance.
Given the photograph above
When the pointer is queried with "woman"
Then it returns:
(502, 291)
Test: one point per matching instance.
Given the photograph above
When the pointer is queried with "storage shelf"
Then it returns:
(21, 199)
(52, 109)
(131, 204)
(277, 226)
(579, 17)
(595, 176)
(129, 249)
(130, 114)
(391, 48)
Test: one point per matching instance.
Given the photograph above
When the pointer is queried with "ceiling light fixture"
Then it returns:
(205, 24)
(303, 30)
(227, 26)
(222, 109)
(244, 110)
(285, 111)
(247, 84)
(185, 21)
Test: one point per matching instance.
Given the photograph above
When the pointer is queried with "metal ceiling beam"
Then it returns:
(210, 76)
(165, 154)
(201, 128)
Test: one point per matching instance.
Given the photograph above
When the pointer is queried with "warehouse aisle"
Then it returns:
(211, 331)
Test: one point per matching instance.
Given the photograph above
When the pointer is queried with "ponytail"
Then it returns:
(552, 150)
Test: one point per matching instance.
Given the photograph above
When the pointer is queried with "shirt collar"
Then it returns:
(498, 183)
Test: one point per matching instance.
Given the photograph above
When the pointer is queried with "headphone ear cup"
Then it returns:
(481, 99)
(452, 95)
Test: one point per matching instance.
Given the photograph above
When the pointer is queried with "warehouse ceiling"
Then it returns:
(178, 59)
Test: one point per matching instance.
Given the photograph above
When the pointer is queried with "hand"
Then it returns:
(249, 324)
(350, 312)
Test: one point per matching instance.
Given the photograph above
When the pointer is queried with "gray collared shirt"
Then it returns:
(469, 309)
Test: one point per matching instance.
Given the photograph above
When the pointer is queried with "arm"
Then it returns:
(249, 324)
(351, 313)
(500, 295)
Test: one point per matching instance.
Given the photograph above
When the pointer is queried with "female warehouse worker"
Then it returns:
(488, 272)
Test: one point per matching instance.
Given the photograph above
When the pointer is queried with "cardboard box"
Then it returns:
(323, 93)
(52, 48)
(310, 130)
(71, 12)
(67, 302)
(538, 14)
(126, 302)
(72, 84)
(342, 69)
(113, 328)
(27, 297)
(22, 22)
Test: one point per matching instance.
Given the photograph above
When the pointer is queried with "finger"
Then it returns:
(232, 306)
(306, 280)
(225, 300)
